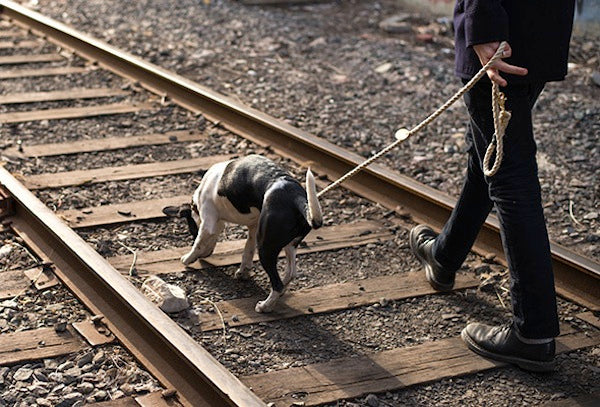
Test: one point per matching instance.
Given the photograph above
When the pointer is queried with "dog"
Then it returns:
(255, 192)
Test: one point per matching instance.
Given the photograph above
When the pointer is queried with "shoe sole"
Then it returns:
(428, 270)
(526, 364)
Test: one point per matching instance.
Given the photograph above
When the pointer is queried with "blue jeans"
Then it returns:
(515, 193)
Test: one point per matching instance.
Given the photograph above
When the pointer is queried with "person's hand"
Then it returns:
(486, 51)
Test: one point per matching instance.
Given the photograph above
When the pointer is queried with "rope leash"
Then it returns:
(501, 118)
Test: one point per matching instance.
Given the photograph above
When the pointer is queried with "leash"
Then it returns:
(501, 118)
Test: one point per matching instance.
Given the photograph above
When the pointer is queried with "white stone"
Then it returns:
(5, 250)
(23, 374)
(383, 68)
(168, 297)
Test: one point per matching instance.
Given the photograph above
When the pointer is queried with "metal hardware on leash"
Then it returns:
(403, 134)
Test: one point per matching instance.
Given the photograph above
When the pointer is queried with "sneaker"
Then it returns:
(421, 242)
(502, 343)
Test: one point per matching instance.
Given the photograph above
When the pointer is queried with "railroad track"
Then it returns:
(188, 373)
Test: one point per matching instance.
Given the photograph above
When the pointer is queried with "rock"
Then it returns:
(71, 375)
(85, 388)
(37, 389)
(396, 24)
(55, 377)
(100, 395)
(65, 366)
(5, 250)
(99, 358)
(117, 394)
(60, 326)
(424, 37)
(383, 68)
(71, 398)
(23, 374)
(168, 297)
(9, 304)
(596, 78)
(85, 359)
(3, 372)
(317, 42)
(127, 388)
(372, 400)
(43, 402)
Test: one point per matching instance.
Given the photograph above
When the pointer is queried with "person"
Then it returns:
(538, 35)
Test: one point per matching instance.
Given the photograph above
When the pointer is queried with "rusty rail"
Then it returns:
(577, 277)
(162, 347)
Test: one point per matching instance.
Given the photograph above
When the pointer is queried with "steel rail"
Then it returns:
(577, 277)
(161, 346)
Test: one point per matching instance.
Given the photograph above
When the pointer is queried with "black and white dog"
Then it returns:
(256, 192)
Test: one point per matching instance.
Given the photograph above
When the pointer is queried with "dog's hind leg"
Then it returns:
(248, 255)
(290, 269)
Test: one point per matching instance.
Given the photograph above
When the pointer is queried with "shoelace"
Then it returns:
(424, 238)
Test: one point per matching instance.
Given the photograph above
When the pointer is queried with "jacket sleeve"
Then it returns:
(485, 21)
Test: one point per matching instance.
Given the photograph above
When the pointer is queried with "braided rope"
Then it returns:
(403, 134)
(501, 118)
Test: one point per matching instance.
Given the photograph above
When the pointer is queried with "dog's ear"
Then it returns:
(181, 211)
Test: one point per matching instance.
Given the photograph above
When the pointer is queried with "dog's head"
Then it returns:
(187, 212)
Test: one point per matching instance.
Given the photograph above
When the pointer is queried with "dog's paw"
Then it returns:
(187, 259)
(262, 307)
(243, 273)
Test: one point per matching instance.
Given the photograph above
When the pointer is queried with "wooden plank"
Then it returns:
(19, 44)
(120, 213)
(12, 283)
(27, 346)
(104, 144)
(15, 281)
(11, 33)
(121, 402)
(29, 59)
(587, 400)
(329, 298)
(126, 172)
(73, 112)
(385, 371)
(229, 252)
(590, 318)
(154, 399)
(50, 71)
(70, 94)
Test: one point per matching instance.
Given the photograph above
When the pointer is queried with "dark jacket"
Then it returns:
(538, 32)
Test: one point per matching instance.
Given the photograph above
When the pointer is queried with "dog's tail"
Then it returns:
(314, 216)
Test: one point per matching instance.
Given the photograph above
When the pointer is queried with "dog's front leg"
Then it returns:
(269, 303)
(248, 255)
(268, 258)
(205, 242)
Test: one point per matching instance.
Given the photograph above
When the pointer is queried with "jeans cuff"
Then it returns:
(530, 341)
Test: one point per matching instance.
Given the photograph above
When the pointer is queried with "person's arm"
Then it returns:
(485, 21)
(486, 25)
